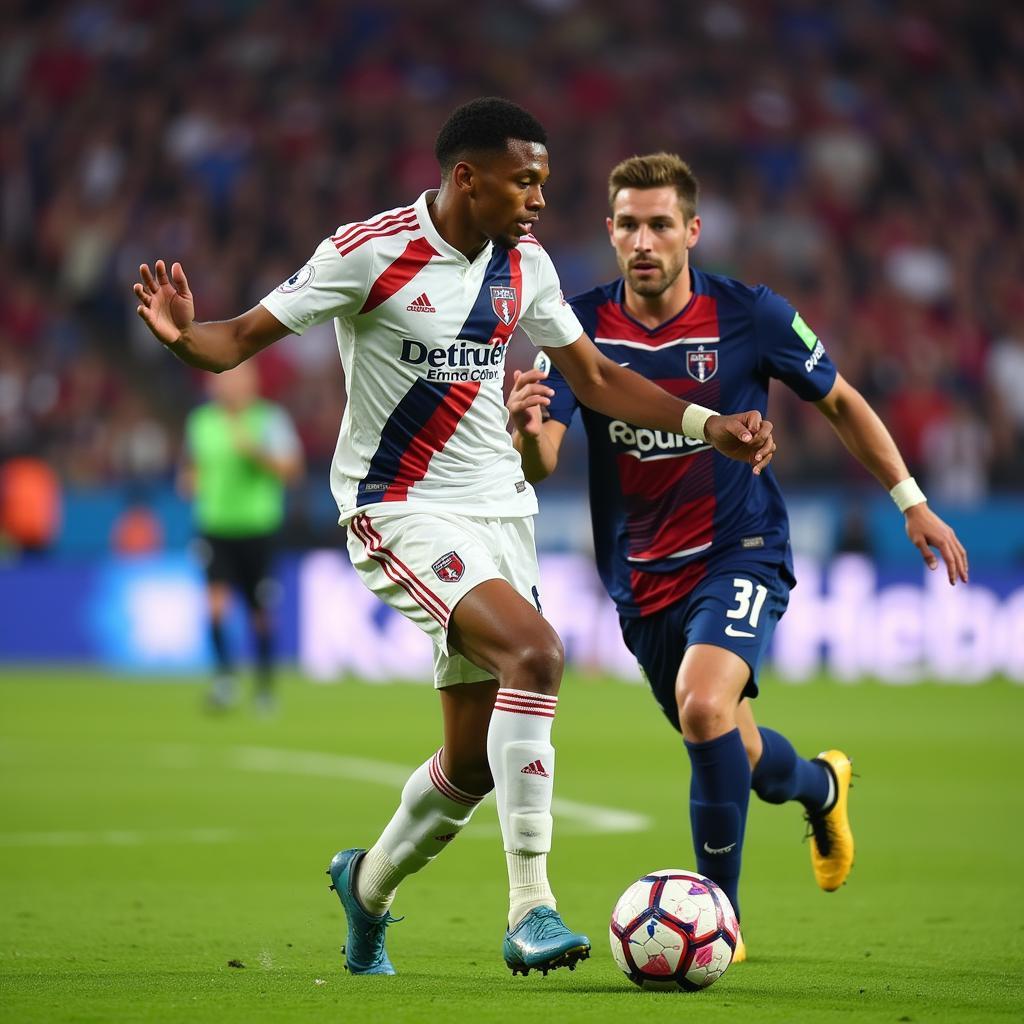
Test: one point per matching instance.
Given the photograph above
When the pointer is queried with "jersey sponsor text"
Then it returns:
(640, 441)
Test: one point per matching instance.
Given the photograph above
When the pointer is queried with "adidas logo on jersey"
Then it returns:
(535, 768)
(421, 305)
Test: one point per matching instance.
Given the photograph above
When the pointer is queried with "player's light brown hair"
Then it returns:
(656, 170)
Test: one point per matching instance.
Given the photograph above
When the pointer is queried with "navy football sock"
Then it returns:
(218, 637)
(264, 659)
(783, 775)
(719, 795)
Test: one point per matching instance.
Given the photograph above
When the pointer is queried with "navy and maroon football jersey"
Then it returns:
(666, 508)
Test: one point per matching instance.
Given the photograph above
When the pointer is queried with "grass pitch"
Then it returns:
(145, 847)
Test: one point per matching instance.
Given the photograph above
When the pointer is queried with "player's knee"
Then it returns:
(539, 664)
(704, 715)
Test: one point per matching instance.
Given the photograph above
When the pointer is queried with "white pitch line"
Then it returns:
(586, 818)
(116, 837)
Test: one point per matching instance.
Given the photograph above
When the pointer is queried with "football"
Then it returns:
(673, 930)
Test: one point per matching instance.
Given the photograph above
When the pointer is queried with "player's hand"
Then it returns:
(743, 436)
(165, 303)
(528, 396)
(926, 531)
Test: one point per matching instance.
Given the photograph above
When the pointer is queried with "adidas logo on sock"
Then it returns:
(445, 839)
(535, 768)
(421, 305)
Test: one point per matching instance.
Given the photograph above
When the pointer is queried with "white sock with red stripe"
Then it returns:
(431, 814)
(522, 762)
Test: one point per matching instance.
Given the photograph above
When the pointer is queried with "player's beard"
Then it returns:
(653, 286)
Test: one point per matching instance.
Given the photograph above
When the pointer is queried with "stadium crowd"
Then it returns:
(865, 159)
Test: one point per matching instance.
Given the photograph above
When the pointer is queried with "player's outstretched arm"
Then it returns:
(865, 435)
(167, 309)
(538, 441)
(616, 391)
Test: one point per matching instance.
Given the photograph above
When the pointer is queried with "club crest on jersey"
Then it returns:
(448, 568)
(701, 365)
(505, 303)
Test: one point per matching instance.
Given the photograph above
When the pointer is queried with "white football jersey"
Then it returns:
(423, 333)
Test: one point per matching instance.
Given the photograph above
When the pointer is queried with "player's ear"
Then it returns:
(610, 225)
(463, 176)
(693, 232)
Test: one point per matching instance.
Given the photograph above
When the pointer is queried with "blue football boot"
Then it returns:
(364, 944)
(542, 942)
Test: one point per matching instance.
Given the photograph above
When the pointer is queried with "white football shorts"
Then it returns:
(423, 563)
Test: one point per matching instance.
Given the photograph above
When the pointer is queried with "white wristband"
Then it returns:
(906, 494)
(695, 418)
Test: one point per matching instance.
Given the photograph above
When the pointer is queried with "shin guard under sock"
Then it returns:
(719, 795)
(432, 812)
(522, 762)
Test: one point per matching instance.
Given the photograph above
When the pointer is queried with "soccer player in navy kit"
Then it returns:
(693, 549)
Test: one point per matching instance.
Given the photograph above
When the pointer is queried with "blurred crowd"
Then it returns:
(865, 159)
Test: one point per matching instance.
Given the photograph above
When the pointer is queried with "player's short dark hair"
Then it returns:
(484, 124)
(656, 170)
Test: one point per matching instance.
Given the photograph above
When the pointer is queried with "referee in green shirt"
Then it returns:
(241, 452)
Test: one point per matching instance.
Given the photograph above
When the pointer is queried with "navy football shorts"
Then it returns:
(735, 608)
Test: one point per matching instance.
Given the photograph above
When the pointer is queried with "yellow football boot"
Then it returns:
(740, 952)
(831, 837)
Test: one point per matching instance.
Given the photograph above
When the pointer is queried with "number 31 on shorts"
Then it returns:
(750, 598)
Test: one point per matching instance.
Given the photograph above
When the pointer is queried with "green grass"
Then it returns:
(144, 845)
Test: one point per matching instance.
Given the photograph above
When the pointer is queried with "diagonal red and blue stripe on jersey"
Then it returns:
(416, 430)
(429, 413)
(669, 503)
(484, 323)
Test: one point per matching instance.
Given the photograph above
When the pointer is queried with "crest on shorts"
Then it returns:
(701, 365)
(448, 568)
(505, 303)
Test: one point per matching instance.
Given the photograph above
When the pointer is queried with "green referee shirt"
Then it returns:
(235, 495)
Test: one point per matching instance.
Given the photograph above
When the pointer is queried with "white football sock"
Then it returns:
(431, 814)
(522, 762)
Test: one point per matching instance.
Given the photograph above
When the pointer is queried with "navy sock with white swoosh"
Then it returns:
(719, 795)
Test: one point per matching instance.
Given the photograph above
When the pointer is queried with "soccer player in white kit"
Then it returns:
(424, 299)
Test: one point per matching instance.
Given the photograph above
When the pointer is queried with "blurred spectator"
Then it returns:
(957, 453)
(29, 504)
(1005, 370)
(136, 531)
(866, 159)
